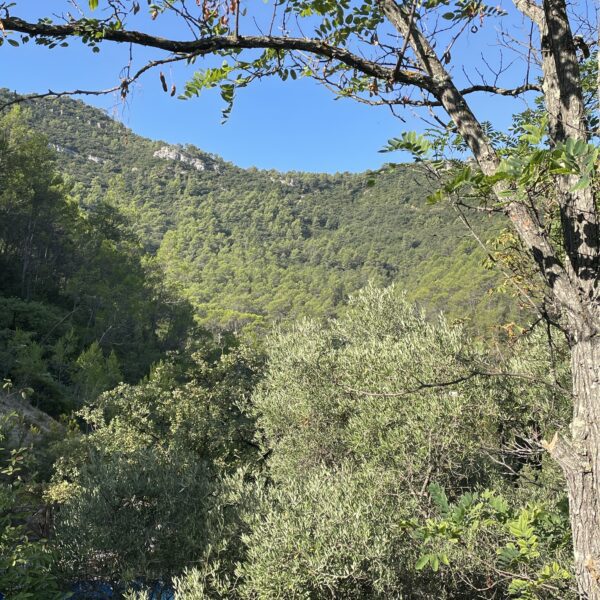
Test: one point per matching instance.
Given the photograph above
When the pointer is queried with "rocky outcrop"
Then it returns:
(288, 182)
(177, 154)
(63, 150)
(28, 419)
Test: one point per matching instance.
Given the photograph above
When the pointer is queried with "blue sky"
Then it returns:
(292, 125)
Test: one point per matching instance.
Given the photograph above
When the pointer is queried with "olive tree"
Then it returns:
(370, 422)
(401, 54)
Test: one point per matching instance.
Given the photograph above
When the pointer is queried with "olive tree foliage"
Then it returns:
(381, 386)
(136, 515)
(401, 54)
(363, 420)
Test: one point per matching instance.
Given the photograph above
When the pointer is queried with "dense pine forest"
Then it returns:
(186, 409)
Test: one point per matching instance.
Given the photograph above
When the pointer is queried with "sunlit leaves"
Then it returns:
(574, 157)
(472, 9)
(523, 536)
(438, 496)
(526, 166)
(336, 22)
(206, 79)
(418, 145)
(534, 133)
(216, 77)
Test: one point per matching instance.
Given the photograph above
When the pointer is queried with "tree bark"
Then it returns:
(579, 459)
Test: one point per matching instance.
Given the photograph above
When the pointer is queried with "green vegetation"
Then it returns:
(27, 560)
(81, 306)
(249, 247)
(355, 450)
(380, 483)
(383, 453)
(349, 443)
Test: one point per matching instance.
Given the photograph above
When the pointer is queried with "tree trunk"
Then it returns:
(580, 461)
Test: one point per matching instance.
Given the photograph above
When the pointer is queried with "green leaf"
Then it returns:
(418, 145)
(438, 495)
(422, 562)
(581, 184)
(436, 197)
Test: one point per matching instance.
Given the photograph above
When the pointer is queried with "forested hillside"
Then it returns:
(237, 384)
(82, 306)
(248, 247)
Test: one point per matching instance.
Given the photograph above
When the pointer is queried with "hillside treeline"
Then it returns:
(247, 247)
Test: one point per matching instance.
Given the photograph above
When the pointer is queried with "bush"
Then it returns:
(147, 492)
(26, 561)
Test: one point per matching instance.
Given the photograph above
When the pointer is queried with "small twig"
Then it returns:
(237, 19)
(465, 221)
(398, 67)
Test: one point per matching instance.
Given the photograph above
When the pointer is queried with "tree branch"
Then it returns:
(565, 455)
(523, 218)
(18, 99)
(210, 45)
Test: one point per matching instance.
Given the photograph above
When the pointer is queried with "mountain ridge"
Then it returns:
(247, 246)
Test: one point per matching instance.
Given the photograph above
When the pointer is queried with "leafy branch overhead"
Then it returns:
(344, 52)
(527, 166)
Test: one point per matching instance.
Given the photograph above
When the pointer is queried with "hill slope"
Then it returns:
(249, 246)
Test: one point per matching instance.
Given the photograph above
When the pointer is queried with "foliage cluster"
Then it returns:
(81, 306)
(363, 417)
(26, 559)
(147, 484)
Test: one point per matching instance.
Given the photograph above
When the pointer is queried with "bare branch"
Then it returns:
(19, 99)
(422, 386)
